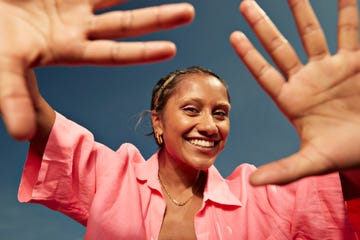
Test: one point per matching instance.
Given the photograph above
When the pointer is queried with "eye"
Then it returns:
(190, 110)
(221, 113)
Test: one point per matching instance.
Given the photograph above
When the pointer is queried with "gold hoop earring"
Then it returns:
(159, 138)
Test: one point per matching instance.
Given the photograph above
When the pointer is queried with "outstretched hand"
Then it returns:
(321, 98)
(42, 32)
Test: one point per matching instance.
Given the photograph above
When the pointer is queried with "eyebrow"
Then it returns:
(224, 106)
(221, 104)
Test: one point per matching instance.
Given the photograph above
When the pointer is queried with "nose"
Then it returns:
(207, 125)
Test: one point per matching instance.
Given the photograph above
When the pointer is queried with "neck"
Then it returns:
(178, 177)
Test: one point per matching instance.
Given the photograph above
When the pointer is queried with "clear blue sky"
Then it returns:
(108, 100)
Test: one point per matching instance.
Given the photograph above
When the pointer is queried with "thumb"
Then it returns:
(16, 106)
(289, 169)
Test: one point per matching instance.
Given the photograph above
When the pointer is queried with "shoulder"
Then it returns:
(243, 171)
(310, 191)
(130, 152)
(119, 161)
(239, 183)
(128, 147)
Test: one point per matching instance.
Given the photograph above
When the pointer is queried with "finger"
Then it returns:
(275, 44)
(348, 25)
(16, 106)
(311, 33)
(141, 21)
(101, 4)
(266, 75)
(290, 169)
(103, 52)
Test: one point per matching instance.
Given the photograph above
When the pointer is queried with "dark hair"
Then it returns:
(165, 87)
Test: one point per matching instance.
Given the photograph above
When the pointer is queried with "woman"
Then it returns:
(87, 41)
(177, 192)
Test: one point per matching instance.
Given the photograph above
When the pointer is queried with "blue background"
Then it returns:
(107, 100)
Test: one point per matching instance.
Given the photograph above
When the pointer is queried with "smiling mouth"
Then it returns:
(203, 143)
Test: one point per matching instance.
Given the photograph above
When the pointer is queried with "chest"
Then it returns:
(179, 220)
(144, 213)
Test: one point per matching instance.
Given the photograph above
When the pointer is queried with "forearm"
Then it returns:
(350, 182)
(45, 116)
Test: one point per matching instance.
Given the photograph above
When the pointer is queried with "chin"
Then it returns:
(203, 164)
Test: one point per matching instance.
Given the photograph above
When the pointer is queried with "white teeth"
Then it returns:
(202, 143)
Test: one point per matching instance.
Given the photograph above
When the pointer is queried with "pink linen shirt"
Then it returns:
(117, 195)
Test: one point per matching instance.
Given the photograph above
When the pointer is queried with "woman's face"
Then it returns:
(195, 121)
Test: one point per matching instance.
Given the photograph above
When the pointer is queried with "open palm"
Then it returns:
(43, 32)
(321, 99)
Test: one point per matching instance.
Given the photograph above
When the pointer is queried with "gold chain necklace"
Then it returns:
(174, 201)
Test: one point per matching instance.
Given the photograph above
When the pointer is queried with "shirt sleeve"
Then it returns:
(314, 206)
(353, 209)
(65, 178)
(310, 208)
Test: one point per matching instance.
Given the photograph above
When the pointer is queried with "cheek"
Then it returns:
(177, 123)
(225, 129)
(174, 128)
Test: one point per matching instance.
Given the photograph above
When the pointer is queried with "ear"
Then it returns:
(156, 121)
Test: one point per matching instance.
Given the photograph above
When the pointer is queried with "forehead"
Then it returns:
(201, 85)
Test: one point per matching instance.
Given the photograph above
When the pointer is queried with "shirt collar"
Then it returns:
(216, 189)
(148, 171)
